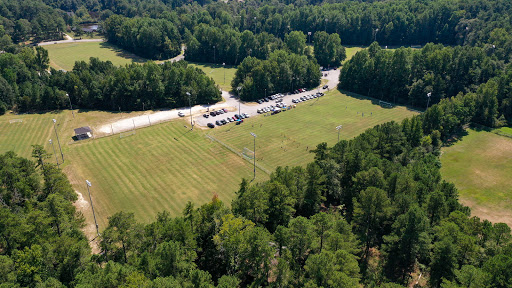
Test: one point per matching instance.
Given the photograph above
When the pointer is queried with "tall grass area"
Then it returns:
(286, 138)
(159, 168)
(480, 166)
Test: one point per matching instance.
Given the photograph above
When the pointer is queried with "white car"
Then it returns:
(181, 114)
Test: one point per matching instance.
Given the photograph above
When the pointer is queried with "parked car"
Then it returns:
(213, 114)
(206, 115)
(237, 116)
(325, 86)
(223, 122)
(246, 115)
(266, 99)
(229, 119)
(218, 123)
(210, 125)
(181, 114)
(225, 110)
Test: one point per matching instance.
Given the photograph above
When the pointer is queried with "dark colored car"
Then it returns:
(210, 125)
(218, 123)
(218, 112)
(225, 110)
(325, 86)
(237, 116)
(266, 99)
(213, 113)
(223, 122)
(206, 115)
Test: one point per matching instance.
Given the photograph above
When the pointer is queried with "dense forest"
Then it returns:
(369, 211)
(282, 72)
(406, 76)
(25, 85)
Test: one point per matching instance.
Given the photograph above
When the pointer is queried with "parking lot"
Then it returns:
(278, 103)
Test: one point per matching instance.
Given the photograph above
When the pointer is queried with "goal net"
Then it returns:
(15, 121)
(385, 104)
(126, 134)
(247, 153)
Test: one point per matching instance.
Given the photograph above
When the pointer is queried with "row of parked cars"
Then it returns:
(238, 118)
(308, 97)
(215, 113)
(269, 98)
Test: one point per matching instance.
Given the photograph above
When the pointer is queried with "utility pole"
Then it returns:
(254, 137)
(309, 37)
(213, 53)
(71, 106)
(428, 101)
(190, 104)
(239, 88)
(56, 159)
(339, 129)
(58, 141)
(93, 214)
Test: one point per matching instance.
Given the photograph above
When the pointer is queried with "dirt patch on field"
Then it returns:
(89, 229)
(493, 214)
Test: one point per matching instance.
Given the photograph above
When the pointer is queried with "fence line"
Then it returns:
(238, 153)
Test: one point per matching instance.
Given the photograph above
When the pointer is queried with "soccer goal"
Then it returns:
(126, 134)
(385, 104)
(247, 153)
(15, 121)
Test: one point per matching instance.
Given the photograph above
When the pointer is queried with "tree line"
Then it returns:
(146, 37)
(227, 45)
(281, 72)
(372, 211)
(407, 76)
(26, 85)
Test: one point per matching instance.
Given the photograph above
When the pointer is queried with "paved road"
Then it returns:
(230, 102)
(69, 41)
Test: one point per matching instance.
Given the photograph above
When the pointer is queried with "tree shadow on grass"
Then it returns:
(123, 53)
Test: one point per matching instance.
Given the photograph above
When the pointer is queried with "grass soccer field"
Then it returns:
(285, 139)
(480, 165)
(64, 56)
(221, 75)
(159, 168)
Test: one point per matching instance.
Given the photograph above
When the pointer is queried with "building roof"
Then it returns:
(82, 130)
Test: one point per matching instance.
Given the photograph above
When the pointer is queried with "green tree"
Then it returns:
(296, 42)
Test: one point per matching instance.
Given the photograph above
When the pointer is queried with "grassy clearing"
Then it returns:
(221, 75)
(64, 56)
(159, 168)
(479, 165)
(285, 139)
(351, 51)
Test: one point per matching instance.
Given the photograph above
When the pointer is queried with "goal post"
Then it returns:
(247, 153)
(126, 134)
(385, 104)
(15, 121)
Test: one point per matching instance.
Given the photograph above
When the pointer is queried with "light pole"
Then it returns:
(428, 95)
(339, 129)
(70, 106)
(326, 20)
(93, 214)
(189, 103)
(58, 141)
(254, 25)
(56, 159)
(254, 137)
(239, 88)
(224, 66)
(309, 37)
(375, 34)
(213, 53)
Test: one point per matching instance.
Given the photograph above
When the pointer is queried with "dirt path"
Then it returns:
(69, 41)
